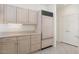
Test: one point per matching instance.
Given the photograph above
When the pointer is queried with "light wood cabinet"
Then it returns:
(22, 16)
(8, 45)
(23, 44)
(12, 14)
(35, 43)
(20, 44)
(19, 19)
(1, 14)
(33, 16)
(9, 14)
(25, 16)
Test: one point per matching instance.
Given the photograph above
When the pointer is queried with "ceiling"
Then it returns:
(61, 5)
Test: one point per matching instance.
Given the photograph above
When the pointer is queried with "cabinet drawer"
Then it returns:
(20, 37)
(23, 37)
(35, 39)
(35, 47)
(47, 42)
(10, 39)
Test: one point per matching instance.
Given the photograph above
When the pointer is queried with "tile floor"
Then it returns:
(61, 48)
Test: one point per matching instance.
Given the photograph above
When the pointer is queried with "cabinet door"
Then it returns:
(19, 20)
(22, 16)
(24, 44)
(8, 45)
(9, 14)
(33, 17)
(35, 42)
(1, 14)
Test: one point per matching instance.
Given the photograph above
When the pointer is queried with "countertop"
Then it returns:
(11, 34)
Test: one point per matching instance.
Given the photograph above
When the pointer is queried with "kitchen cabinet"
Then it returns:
(1, 14)
(22, 16)
(20, 44)
(35, 42)
(12, 14)
(8, 45)
(23, 44)
(33, 16)
(9, 14)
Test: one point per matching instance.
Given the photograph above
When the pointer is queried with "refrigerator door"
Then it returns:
(47, 27)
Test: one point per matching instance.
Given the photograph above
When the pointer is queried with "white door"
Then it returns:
(71, 29)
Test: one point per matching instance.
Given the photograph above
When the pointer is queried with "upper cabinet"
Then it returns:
(9, 14)
(33, 16)
(12, 14)
(1, 14)
(25, 16)
(22, 16)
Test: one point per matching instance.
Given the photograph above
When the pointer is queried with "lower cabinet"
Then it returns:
(8, 45)
(20, 44)
(23, 44)
(35, 43)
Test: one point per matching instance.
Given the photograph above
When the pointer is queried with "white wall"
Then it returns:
(59, 13)
(67, 11)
